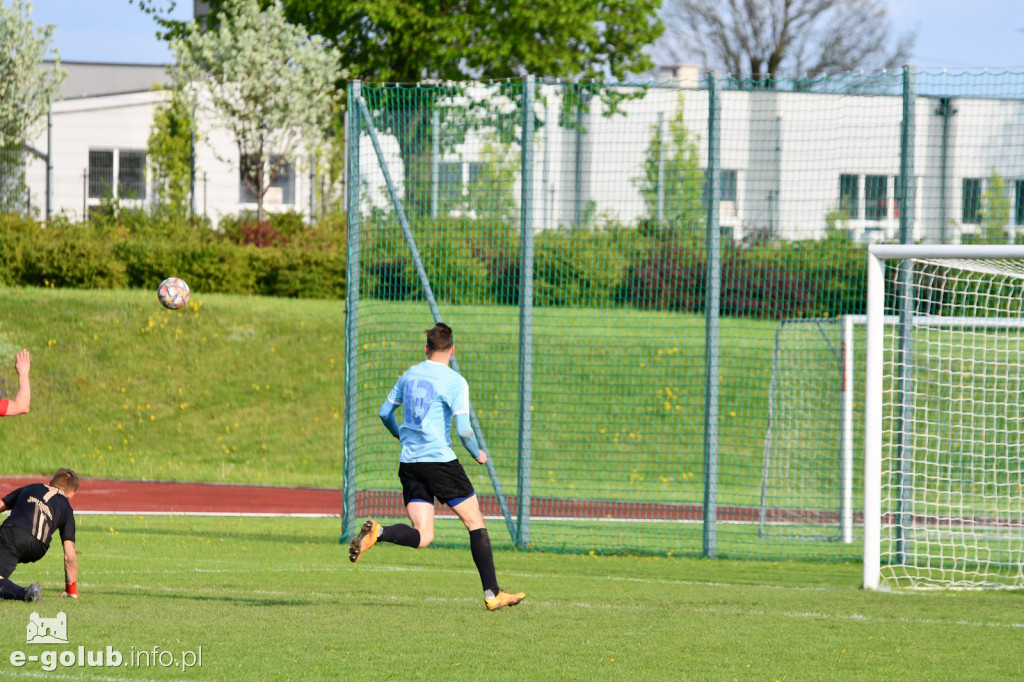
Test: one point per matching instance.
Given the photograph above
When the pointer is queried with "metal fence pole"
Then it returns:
(49, 164)
(905, 351)
(711, 340)
(526, 318)
(660, 212)
(435, 161)
(353, 132)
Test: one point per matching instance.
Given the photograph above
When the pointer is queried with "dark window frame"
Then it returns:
(849, 194)
(971, 201)
(876, 197)
(1018, 209)
(100, 175)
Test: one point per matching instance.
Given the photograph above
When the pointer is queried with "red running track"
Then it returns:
(115, 496)
(159, 497)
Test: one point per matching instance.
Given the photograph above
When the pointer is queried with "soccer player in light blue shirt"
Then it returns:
(431, 394)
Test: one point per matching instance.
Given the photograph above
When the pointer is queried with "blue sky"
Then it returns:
(955, 34)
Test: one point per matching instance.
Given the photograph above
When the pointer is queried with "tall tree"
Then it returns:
(170, 152)
(673, 182)
(412, 40)
(265, 80)
(763, 40)
(26, 89)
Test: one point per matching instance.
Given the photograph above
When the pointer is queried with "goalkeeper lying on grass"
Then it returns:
(37, 510)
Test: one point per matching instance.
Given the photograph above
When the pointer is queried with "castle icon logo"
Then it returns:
(47, 630)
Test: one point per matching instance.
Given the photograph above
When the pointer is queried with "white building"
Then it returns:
(97, 137)
(789, 161)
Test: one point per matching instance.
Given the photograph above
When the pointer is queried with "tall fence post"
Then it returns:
(711, 312)
(526, 319)
(49, 163)
(660, 212)
(353, 132)
(905, 350)
(192, 168)
(435, 161)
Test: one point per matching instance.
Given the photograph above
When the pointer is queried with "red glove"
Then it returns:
(70, 590)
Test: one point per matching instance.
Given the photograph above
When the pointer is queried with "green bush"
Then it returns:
(63, 255)
(468, 262)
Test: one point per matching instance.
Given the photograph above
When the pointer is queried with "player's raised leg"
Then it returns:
(419, 534)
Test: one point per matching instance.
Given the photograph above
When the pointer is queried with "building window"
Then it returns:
(726, 185)
(449, 191)
(972, 201)
(280, 189)
(131, 174)
(1018, 194)
(128, 165)
(897, 196)
(849, 199)
(101, 173)
(876, 189)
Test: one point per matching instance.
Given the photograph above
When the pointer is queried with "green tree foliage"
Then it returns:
(263, 79)
(995, 209)
(673, 179)
(405, 41)
(26, 90)
(492, 195)
(170, 153)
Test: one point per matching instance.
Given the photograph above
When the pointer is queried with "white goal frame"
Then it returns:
(845, 361)
(878, 254)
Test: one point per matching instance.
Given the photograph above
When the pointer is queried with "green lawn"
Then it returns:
(277, 599)
(231, 388)
(251, 390)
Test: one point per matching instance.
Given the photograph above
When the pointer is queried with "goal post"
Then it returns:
(943, 417)
(807, 463)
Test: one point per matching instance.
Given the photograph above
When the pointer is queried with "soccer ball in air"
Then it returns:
(173, 293)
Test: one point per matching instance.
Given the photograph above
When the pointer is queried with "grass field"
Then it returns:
(277, 599)
(250, 390)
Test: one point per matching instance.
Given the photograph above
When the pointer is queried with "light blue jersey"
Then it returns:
(430, 394)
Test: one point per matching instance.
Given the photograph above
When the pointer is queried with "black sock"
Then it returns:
(400, 534)
(9, 590)
(483, 557)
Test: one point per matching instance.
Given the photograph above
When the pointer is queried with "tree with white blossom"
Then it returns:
(27, 87)
(268, 82)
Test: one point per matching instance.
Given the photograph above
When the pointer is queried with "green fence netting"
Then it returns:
(590, 243)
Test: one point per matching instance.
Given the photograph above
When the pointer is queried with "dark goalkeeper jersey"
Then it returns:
(40, 510)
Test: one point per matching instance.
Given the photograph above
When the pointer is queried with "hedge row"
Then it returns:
(466, 261)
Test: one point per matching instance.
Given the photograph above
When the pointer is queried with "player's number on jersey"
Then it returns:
(418, 396)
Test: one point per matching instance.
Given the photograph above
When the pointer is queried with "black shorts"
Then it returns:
(17, 546)
(423, 481)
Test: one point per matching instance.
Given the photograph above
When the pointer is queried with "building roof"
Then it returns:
(92, 79)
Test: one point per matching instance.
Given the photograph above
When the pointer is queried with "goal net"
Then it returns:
(807, 465)
(944, 418)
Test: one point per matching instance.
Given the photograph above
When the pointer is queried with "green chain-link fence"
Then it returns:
(648, 286)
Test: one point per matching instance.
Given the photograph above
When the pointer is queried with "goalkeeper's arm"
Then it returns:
(465, 430)
(70, 570)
